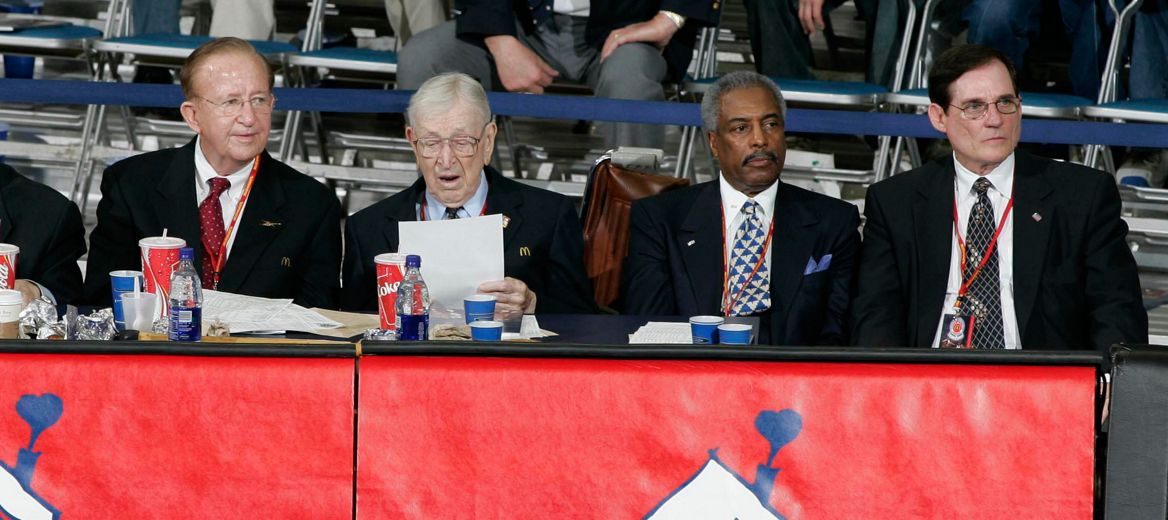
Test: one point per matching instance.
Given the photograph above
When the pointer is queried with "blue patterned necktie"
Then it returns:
(744, 256)
(984, 296)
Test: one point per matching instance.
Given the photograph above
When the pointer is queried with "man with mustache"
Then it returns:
(453, 135)
(993, 247)
(745, 244)
(258, 227)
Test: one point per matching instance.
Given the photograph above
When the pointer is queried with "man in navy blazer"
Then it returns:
(453, 135)
(278, 232)
(1065, 276)
(680, 243)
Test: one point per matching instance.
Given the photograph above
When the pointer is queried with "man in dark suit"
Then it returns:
(46, 226)
(621, 49)
(686, 247)
(1045, 263)
(453, 135)
(267, 231)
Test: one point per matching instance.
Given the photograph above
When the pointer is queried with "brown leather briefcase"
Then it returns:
(607, 203)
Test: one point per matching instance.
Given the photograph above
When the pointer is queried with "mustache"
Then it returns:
(761, 154)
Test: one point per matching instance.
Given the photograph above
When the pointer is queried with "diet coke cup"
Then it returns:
(391, 269)
(159, 260)
(8, 254)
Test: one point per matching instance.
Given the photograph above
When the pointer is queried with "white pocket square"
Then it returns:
(815, 267)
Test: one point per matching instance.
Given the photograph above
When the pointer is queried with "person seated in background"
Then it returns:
(621, 50)
(258, 226)
(746, 244)
(46, 226)
(453, 135)
(993, 247)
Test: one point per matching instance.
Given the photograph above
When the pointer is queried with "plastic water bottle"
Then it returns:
(413, 303)
(186, 299)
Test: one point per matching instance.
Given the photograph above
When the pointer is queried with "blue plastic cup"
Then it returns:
(479, 307)
(705, 329)
(122, 283)
(486, 330)
(734, 334)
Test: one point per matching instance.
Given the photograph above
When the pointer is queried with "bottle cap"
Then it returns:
(413, 261)
(186, 253)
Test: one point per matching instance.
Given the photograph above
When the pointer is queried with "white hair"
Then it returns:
(440, 92)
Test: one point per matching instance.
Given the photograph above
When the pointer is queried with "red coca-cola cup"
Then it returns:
(8, 254)
(391, 269)
(159, 260)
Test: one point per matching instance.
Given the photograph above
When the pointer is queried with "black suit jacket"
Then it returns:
(47, 227)
(542, 244)
(1075, 281)
(675, 262)
(287, 244)
(482, 18)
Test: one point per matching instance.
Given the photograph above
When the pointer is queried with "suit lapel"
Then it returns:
(933, 231)
(1030, 234)
(702, 250)
(176, 206)
(791, 247)
(503, 200)
(7, 177)
(260, 223)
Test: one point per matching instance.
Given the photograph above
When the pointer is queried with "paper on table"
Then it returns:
(457, 255)
(656, 332)
(254, 314)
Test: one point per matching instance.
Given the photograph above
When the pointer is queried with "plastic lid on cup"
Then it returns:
(10, 297)
(186, 253)
(413, 261)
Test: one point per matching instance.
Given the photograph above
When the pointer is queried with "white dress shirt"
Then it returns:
(732, 203)
(229, 199)
(1002, 179)
(571, 7)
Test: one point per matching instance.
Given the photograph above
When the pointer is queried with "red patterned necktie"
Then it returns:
(211, 225)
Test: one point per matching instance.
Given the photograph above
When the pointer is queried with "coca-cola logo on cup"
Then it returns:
(5, 272)
(386, 289)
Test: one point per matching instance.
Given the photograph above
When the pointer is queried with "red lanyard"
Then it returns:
(985, 257)
(218, 259)
(728, 304)
(424, 215)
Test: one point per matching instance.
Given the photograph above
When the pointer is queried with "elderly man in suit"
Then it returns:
(258, 227)
(746, 244)
(453, 135)
(994, 247)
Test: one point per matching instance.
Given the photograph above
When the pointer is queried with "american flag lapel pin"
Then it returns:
(1036, 217)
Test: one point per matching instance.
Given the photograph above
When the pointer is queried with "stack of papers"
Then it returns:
(657, 332)
(262, 315)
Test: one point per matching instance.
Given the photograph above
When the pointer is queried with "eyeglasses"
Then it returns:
(461, 145)
(233, 106)
(977, 109)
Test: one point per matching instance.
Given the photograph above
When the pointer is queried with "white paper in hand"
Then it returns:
(457, 255)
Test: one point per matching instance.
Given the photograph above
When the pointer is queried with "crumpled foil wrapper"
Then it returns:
(98, 325)
(54, 330)
(36, 315)
(218, 327)
(162, 325)
(380, 335)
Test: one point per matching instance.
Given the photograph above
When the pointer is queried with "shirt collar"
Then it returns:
(733, 200)
(1002, 178)
(205, 172)
(473, 207)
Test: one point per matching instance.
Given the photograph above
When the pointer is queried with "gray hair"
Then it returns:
(712, 101)
(440, 92)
